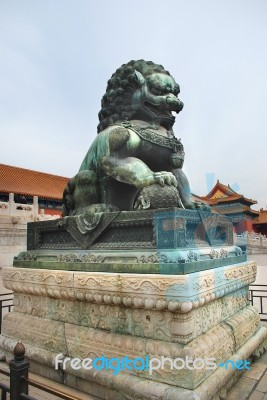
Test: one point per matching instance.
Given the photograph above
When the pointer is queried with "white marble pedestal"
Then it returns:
(90, 314)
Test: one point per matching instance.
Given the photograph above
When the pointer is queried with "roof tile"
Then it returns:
(31, 183)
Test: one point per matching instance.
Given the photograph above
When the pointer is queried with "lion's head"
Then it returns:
(140, 90)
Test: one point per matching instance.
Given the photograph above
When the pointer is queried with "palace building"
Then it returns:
(26, 183)
(225, 200)
(260, 223)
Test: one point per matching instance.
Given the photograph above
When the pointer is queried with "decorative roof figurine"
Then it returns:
(135, 162)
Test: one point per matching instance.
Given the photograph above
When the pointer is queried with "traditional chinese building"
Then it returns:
(25, 184)
(225, 200)
(260, 223)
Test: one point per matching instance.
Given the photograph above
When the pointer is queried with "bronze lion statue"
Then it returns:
(136, 161)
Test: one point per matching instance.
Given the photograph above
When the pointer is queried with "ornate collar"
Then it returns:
(152, 136)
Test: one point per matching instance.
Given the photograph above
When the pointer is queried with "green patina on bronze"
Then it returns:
(163, 241)
(153, 268)
(135, 148)
(129, 208)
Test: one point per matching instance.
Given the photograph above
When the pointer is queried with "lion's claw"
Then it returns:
(164, 177)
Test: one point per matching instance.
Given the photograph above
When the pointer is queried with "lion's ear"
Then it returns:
(138, 78)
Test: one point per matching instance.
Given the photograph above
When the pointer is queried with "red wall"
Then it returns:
(242, 226)
(52, 211)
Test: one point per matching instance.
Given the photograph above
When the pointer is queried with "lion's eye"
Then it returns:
(154, 91)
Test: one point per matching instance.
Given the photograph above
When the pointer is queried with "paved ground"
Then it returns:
(253, 383)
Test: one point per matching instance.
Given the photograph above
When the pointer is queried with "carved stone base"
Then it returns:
(89, 314)
(166, 242)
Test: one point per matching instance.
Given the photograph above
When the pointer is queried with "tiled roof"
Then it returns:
(195, 197)
(262, 219)
(242, 209)
(222, 199)
(225, 190)
(31, 183)
(222, 193)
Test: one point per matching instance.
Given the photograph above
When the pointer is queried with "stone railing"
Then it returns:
(24, 212)
(11, 208)
(251, 239)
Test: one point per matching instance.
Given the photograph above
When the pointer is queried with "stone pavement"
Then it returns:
(253, 383)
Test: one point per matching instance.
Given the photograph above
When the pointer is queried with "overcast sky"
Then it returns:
(57, 55)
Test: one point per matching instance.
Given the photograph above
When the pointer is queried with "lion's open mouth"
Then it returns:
(157, 111)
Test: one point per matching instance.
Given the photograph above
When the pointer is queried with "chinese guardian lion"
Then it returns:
(135, 162)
